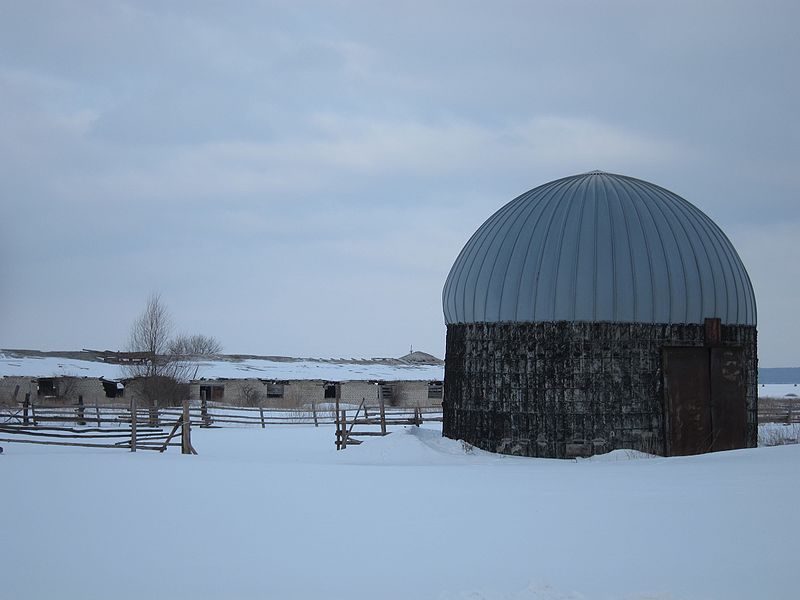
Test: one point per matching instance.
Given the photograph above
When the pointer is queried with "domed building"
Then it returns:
(599, 312)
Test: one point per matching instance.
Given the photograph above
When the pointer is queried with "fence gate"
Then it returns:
(704, 399)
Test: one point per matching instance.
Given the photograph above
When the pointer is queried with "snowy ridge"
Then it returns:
(48, 366)
(235, 368)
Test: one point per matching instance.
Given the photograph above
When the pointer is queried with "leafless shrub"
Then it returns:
(195, 346)
(250, 395)
(67, 388)
(775, 434)
(639, 454)
(651, 446)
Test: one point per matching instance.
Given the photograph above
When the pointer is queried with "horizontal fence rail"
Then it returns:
(779, 410)
(159, 428)
(109, 426)
(109, 416)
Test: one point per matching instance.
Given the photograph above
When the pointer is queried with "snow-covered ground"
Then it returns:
(51, 366)
(278, 513)
(778, 390)
(305, 368)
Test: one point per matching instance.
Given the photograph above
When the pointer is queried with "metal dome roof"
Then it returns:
(599, 247)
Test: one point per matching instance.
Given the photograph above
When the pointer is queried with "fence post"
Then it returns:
(314, 410)
(336, 420)
(186, 430)
(81, 411)
(343, 421)
(204, 408)
(25, 406)
(33, 414)
(97, 412)
(383, 413)
(133, 423)
(261, 413)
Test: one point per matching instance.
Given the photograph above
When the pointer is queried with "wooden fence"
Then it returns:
(346, 434)
(134, 428)
(158, 428)
(779, 410)
(111, 427)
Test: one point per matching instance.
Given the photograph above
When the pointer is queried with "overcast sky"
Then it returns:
(297, 178)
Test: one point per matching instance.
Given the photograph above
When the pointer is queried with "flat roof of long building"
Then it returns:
(32, 363)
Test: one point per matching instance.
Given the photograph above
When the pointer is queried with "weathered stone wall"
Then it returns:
(255, 392)
(413, 393)
(299, 393)
(569, 388)
(90, 389)
(352, 392)
(67, 390)
(404, 393)
(27, 385)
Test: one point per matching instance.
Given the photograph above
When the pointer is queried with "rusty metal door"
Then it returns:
(728, 399)
(687, 392)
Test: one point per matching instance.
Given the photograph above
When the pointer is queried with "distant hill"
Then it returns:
(779, 375)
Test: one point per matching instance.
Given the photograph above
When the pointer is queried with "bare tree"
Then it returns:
(161, 365)
(151, 331)
(197, 345)
(161, 377)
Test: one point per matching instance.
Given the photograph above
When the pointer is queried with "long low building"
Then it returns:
(103, 377)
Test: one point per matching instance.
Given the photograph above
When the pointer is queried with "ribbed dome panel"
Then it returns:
(599, 247)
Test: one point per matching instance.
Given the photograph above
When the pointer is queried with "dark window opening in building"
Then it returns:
(330, 390)
(387, 391)
(112, 389)
(435, 390)
(212, 392)
(47, 387)
(274, 390)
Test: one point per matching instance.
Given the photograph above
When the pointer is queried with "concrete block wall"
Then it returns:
(404, 393)
(296, 393)
(352, 392)
(27, 385)
(414, 393)
(91, 390)
(238, 392)
(68, 390)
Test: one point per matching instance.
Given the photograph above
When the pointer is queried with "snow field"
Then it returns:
(301, 368)
(279, 513)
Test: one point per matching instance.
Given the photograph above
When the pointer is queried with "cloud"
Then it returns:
(455, 145)
(338, 148)
(338, 158)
